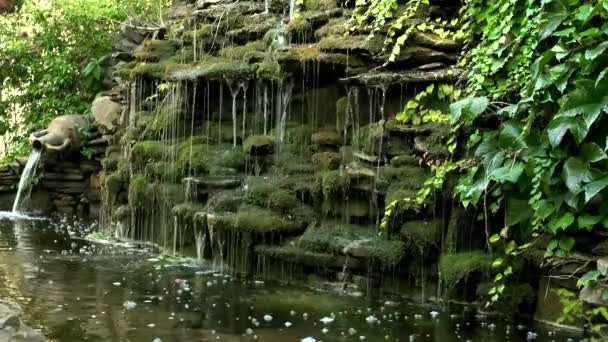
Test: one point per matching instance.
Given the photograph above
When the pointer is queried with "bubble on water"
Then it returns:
(352, 331)
(288, 324)
(371, 319)
(308, 339)
(434, 314)
(129, 305)
(325, 330)
(292, 313)
(151, 325)
(531, 336)
(305, 316)
(267, 318)
(249, 331)
(362, 337)
(157, 340)
(116, 283)
(326, 320)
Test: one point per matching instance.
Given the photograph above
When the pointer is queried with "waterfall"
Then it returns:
(292, 8)
(25, 183)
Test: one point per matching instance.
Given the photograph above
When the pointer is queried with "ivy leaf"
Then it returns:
(510, 135)
(586, 99)
(587, 221)
(594, 188)
(561, 223)
(591, 54)
(566, 243)
(507, 173)
(583, 13)
(588, 278)
(516, 211)
(575, 173)
(601, 75)
(557, 13)
(495, 238)
(468, 108)
(592, 153)
(560, 125)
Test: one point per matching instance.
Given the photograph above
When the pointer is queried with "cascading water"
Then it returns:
(25, 183)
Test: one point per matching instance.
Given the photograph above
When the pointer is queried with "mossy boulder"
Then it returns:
(405, 160)
(457, 266)
(186, 211)
(409, 177)
(141, 191)
(144, 152)
(155, 50)
(202, 31)
(422, 234)
(359, 241)
(368, 137)
(320, 5)
(335, 27)
(262, 221)
(326, 160)
(282, 201)
(333, 184)
(214, 68)
(226, 201)
(258, 145)
(327, 137)
(115, 182)
(248, 52)
(270, 69)
(353, 43)
(192, 159)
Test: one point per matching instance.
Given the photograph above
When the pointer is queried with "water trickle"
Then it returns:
(266, 6)
(245, 86)
(285, 96)
(234, 90)
(265, 109)
(25, 183)
(292, 8)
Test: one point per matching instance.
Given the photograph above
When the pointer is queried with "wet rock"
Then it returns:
(327, 160)
(327, 138)
(385, 78)
(258, 145)
(601, 248)
(592, 293)
(11, 327)
(434, 41)
(602, 266)
(424, 55)
(106, 112)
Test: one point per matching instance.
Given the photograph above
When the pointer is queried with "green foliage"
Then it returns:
(52, 58)
(573, 311)
(458, 266)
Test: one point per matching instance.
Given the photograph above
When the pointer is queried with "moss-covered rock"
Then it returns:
(186, 211)
(214, 68)
(141, 191)
(259, 145)
(144, 152)
(115, 182)
(333, 184)
(422, 234)
(367, 138)
(248, 52)
(457, 266)
(320, 5)
(353, 43)
(327, 137)
(258, 220)
(155, 50)
(409, 177)
(226, 201)
(253, 28)
(326, 160)
(335, 27)
(270, 69)
(202, 31)
(405, 160)
(359, 241)
(282, 201)
(192, 159)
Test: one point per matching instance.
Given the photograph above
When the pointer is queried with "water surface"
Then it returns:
(77, 291)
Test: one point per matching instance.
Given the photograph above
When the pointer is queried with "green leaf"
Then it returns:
(575, 173)
(566, 243)
(583, 13)
(511, 135)
(587, 221)
(468, 108)
(552, 245)
(557, 224)
(601, 76)
(497, 262)
(588, 278)
(517, 210)
(592, 153)
(593, 53)
(557, 12)
(586, 99)
(560, 125)
(508, 173)
(595, 187)
(508, 271)
(495, 238)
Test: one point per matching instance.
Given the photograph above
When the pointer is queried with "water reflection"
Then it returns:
(78, 291)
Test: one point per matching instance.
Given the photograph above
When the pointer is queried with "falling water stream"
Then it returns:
(25, 183)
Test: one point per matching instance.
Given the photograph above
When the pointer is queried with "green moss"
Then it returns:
(259, 220)
(303, 53)
(253, 28)
(298, 24)
(270, 69)
(333, 183)
(141, 192)
(422, 234)
(215, 68)
(368, 137)
(151, 70)
(281, 201)
(146, 151)
(320, 5)
(219, 132)
(113, 183)
(327, 137)
(203, 31)
(361, 43)
(156, 50)
(408, 177)
(457, 266)
(326, 160)
(192, 159)
(247, 52)
(259, 145)
(162, 170)
(124, 71)
(335, 27)
(360, 241)
(405, 160)
(226, 201)
(186, 211)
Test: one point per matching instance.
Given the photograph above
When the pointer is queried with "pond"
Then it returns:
(75, 290)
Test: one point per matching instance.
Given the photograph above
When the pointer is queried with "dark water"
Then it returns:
(75, 291)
